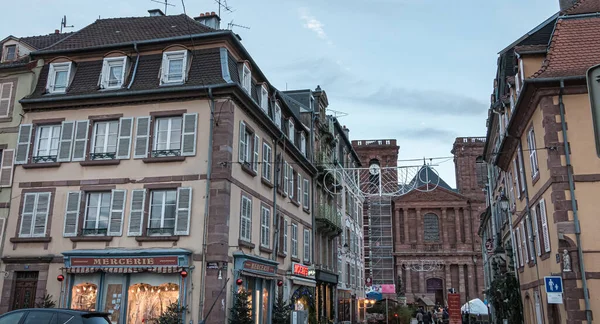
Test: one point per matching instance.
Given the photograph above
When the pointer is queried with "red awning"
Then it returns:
(172, 269)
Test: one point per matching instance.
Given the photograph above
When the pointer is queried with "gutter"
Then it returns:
(586, 296)
(137, 60)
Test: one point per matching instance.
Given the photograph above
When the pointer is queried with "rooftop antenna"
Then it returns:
(223, 4)
(337, 113)
(230, 26)
(63, 23)
(164, 2)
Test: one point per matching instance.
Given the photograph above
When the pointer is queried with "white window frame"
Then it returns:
(109, 63)
(162, 212)
(99, 206)
(38, 132)
(35, 214)
(303, 143)
(55, 68)
(532, 152)
(16, 56)
(536, 231)
(306, 241)
(265, 228)
(298, 187)
(246, 78)
(291, 130)
(246, 218)
(169, 133)
(521, 166)
(171, 56)
(264, 98)
(291, 179)
(285, 177)
(294, 240)
(277, 115)
(106, 124)
(267, 165)
(306, 194)
(285, 236)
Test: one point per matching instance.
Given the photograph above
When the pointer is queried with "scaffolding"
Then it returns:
(379, 262)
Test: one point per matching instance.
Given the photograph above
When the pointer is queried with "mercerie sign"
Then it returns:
(148, 261)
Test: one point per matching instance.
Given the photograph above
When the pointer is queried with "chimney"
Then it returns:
(56, 31)
(346, 131)
(156, 12)
(566, 4)
(209, 19)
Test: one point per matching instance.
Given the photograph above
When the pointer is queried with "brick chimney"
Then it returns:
(209, 19)
(566, 4)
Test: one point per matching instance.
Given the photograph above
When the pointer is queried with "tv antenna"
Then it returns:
(164, 2)
(337, 113)
(223, 4)
(230, 25)
(63, 23)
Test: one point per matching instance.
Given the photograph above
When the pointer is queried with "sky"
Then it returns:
(419, 71)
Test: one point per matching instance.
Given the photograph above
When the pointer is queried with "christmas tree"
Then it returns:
(241, 312)
(281, 311)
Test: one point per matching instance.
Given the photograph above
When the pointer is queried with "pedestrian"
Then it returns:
(419, 317)
(427, 318)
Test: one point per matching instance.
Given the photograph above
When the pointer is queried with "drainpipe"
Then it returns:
(586, 297)
(137, 60)
(206, 204)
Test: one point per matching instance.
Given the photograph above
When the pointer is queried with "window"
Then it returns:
(246, 78)
(294, 240)
(291, 130)
(11, 52)
(266, 166)
(246, 219)
(163, 206)
(277, 115)
(306, 245)
(519, 247)
(265, 216)
(167, 136)
(303, 143)
(248, 147)
(12, 318)
(174, 67)
(105, 138)
(264, 98)
(536, 232)
(431, 228)
(544, 221)
(97, 213)
(291, 176)
(255, 158)
(285, 236)
(34, 215)
(306, 197)
(113, 72)
(46, 143)
(532, 153)
(58, 77)
(172, 136)
(285, 177)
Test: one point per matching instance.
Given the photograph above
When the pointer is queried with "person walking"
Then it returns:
(420, 317)
(427, 318)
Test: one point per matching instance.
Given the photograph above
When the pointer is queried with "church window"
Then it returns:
(431, 228)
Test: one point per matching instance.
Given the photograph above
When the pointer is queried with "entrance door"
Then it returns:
(25, 287)
(435, 286)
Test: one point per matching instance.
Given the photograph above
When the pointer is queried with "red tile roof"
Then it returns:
(574, 48)
(583, 7)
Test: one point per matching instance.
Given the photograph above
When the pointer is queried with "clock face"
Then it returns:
(374, 169)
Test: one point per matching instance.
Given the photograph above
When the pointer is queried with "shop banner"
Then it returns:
(146, 261)
(454, 308)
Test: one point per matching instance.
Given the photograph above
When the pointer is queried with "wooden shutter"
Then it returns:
(184, 208)
(6, 169)
(66, 141)
(80, 141)
(5, 98)
(525, 244)
(256, 156)
(136, 212)
(41, 214)
(23, 143)
(534, 221)
(117, 209)
(545, 233)
(242, 144)
(72, 213)
(142, 137)
(189, 134)
(124, 139)
(27, 215)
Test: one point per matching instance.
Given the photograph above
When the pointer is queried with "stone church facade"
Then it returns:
(435, 241)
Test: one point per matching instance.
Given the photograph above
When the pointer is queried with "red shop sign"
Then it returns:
(454, 308)
(150, 261)
(300, 270)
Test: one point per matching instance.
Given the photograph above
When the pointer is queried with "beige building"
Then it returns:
(155, 164)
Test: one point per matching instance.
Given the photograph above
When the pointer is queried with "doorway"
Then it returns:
(25, 287)
(435, 286)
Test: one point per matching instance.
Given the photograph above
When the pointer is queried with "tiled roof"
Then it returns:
(575, 47)
(40, 42)
(583, 7)
(131, 29)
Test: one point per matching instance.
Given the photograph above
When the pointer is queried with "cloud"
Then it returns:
(312, 23)
(426, 134)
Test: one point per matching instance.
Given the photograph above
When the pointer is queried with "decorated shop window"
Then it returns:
(84, 296)
(146, 302)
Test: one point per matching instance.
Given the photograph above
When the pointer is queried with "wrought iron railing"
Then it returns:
(165, 153)
(103, 156)
(94, 231)
(160, 230)
(44, 158)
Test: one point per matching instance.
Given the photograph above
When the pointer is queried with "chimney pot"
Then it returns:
(213, 13)
(56, 31)
(566, 4)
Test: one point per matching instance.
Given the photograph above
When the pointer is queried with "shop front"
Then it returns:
(133, 286)
(258, 276)
(326, 292)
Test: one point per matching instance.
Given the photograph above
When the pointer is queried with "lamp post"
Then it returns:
(504, 205)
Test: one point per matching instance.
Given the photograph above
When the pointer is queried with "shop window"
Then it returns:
(163, 205)
(84, 296)
(147, 302)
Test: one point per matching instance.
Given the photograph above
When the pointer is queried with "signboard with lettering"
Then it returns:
(302, 270)
(255, 266)
(454, 308)
(126, 261)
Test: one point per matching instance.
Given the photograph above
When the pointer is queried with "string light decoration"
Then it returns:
(422, 265)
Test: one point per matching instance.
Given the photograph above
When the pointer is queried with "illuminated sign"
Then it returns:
(302, 270)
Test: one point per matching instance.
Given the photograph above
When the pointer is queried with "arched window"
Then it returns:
(431, 228)
(481, 169)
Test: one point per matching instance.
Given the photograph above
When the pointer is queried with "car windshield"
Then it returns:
(96, 319)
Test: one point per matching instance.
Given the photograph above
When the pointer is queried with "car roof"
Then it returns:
(60, 310)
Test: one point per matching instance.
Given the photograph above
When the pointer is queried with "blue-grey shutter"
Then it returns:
(72, 213)
(242, 144)
(81, 138)
(23, 143)
(142, 137)
(27, 215)
(136, 212)
(189, 134)
(124, 139)
(117, 209)
(66, 141)
(184, 208)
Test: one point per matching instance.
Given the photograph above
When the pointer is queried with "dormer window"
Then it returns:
(264, 98)
(11, 53)
(277, 116)
(291, 130)
(174, 67)
(58, 77)
(113, 72)
(246, 78)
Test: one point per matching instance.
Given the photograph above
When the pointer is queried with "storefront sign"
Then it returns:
(149, 261)
(255, 266)
(454, 308)
(212, 265)
(326, 277)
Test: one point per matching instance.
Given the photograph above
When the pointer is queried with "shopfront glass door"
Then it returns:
(113, 296)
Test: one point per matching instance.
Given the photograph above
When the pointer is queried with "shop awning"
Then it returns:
(304, 282)
(172, 269)
(253, 274)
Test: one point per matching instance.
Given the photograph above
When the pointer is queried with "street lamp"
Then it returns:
(503, 202)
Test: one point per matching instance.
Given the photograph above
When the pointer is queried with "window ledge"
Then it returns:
(248, 169)
(45, 239)
(157, 238)
(5, 119)
(91, 239)
(282, 255)
(265, 249)
(246, 244)
(99, 162)
(41, 165)
(306, 263)
(293, 201)
(306, 210)
(164, 159)
(295, 259)
(266, 182)
(535, 178)
(545, 256)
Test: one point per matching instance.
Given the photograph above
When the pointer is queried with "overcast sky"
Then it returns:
(419, 71)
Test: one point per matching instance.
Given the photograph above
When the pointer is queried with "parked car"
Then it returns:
(53, 316)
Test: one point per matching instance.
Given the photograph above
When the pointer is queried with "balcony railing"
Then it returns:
(103, 156)
(329, 220)
(94, 231)
(44, 158)
(164, 153)
(324, 160)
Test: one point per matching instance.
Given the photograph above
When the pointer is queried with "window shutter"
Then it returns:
(184, 208)
(136, 212)
(525, 244)
(189, 134)
(243, 144)
(124, 139)
(66, 141)
(545, 233)
(41, 214)
(117, 209)
(2, 223)
(72, 213)
(142, 137)
(529, 237)
(23, 143)
(6, 170)
(27, 215)
(5, 96)
(534, 218)
(80, 142)
(256, 157)
(164, 69)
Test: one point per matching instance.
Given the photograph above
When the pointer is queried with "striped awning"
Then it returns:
(172, 269)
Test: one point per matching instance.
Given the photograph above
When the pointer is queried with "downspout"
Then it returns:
(276, 219)
(137, 60)
(206, 204)
(586, 297)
